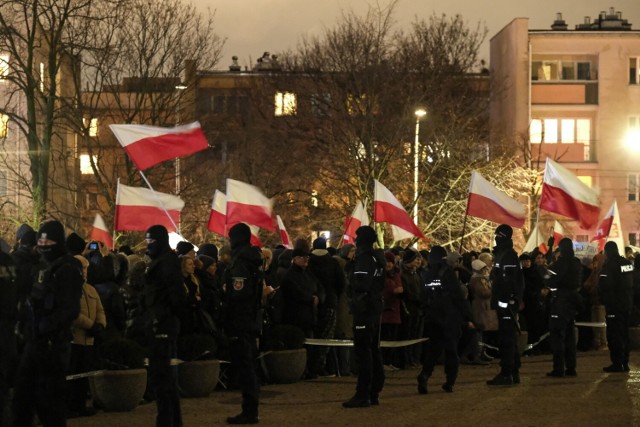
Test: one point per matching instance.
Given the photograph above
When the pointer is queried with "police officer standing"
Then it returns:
(367, 284)
(615, 289)
(446, 310)
(563, 278)
(165, 300)
(507, 287)
(52, 305)
(242, 299)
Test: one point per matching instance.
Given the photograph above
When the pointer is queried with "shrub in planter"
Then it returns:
(121, 385)
(285, 337)
(199, 372)
(286, 358)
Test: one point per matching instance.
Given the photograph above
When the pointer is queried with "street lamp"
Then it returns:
(420, 113)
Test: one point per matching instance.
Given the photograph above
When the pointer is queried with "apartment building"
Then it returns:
(573, 95)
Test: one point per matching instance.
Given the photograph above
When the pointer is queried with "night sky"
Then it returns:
(255, 26)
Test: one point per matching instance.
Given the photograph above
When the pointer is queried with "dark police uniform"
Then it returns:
(615, 289)
(53, 304)
(8, 318)
(242, 297)
(446, 310)
(366, 287)
(507, 287)
(564, 280)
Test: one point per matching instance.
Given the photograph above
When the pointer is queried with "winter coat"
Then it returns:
(484, 317)
(328, 272)
(298, 288)
(91, 312)
(392, 304)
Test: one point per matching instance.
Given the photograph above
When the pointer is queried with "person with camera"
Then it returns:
(52, 305)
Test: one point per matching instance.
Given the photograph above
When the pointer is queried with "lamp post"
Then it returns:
(420, 113)
(179, 88)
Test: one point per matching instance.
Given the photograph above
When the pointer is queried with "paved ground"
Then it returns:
(593, 398)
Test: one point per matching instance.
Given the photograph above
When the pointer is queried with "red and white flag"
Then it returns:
(487, 202)
(149, 145)
(218, 219)
(536, 240)
(386, 208)
(284, 236)
(100, 232)
(139, 208)
(357, 219)
(563, 193)
(610, 228)
(557, 232)
(246, 203)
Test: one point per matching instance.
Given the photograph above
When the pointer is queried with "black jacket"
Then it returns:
(507, 282)
(331, 276)
(565, 281)
(298, 288)
(367, 285)
(443, 299)
(243, 292)
(615, 286)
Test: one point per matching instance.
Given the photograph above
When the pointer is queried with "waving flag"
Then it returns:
(284, 236)
(610, 228)
(487, 202)
(536, 240)
(563, 193)
(246, 203)
(357, 219)
(218, 219)
(557, 232)
(149, 145)
(139, 208)
(386, 208)
(100, 232)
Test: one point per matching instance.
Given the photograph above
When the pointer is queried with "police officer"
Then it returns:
(165, 300)
(615, 289)
(242, 298)
(446, 310)
(8, 317)
(367, 284)
(563, 279)
(507, 287)
(52, 305)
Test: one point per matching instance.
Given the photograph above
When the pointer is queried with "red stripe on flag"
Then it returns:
(556, 200)
(139, 218)
(386, 212)
(483, 207)
(217, 222)
(147, 152)
(605, 228)
(102, 236)
(251, 214)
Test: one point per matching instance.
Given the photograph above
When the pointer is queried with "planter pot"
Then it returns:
(198, 378)
(634, 338)
(286, 366)
(119, 390)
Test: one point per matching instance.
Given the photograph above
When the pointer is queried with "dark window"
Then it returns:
(584, 71)
(219, 104)
(633, 188)
(632, 239)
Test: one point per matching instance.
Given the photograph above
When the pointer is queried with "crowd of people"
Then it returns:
(61, 296)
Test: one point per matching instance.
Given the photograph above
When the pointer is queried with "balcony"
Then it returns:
(564, 93)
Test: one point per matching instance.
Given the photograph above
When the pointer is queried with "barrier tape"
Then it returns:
(349, 343)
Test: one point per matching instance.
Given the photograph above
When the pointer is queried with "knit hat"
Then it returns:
(477, 265)
(524, 257)
(504, 230)
(208, 249)
(452, 257)
(23, 229)
(437, 255)
(184, 247)
(126, 249)
(389, 256)
(28, 238)
(239, 235)
(52, 230)
(299, 251)
(409, 255)
(320, 243)
(75, 244)
(158, 233)
(207, 261)
(365, 236)
(486, 257)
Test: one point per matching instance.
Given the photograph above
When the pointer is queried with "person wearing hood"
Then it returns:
(52, 305)
(165, 301)
(366, 288)
(446, 311)
(242, 300)
(615, 289)
(507, 287)
(563, 280)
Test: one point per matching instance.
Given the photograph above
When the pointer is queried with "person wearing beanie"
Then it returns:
(209, 249)
(446, 309)
(367, 286)
(506, 298)
(484, 318)
(615, 289)
(184, 248)
(75, 244)
(412, 324)
(166, 302)
(563, 280)
(26, 259)
(54, 302)
(242, 297)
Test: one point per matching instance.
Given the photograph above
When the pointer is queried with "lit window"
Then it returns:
(568, 131)
(4, 66)
(550, 130)
(85, 164)
(535, 131)
(550, 70)
(4, 125)
(286, 104)
(634, 71)
(587, 180)
(583, 131)
(92, 125)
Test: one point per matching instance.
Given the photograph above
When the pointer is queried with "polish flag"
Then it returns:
(386, 208)
(246, 203)
(563, 193)
(487, 202)
(610, 228)
(149, 145)
(357, 219)
(557, 232)
(139, 208)
(218, 219)
(536, 240)
(284, 236)
(100, 232)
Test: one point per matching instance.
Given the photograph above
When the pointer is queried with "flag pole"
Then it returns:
(464, 226)
(161, 204)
